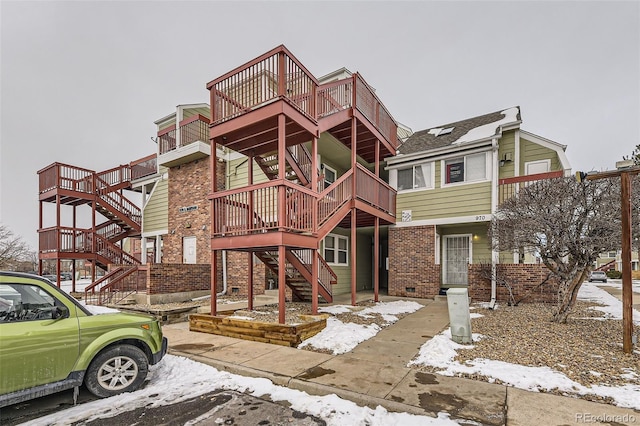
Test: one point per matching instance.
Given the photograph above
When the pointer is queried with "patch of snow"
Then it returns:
(612, 306)
(189, 379)
(99, 310)
(487, 130)
(475, 315)
(340, 337)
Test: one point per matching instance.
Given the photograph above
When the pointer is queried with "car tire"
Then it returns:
(118, 369)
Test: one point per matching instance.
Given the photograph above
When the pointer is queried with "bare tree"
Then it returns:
(564, 222)
(12, 248)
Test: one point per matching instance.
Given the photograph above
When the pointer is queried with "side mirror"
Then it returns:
(60, 312)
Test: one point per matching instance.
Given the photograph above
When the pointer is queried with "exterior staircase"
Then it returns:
(102, 191)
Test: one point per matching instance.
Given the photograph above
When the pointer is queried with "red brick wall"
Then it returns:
(412, 262)
(237, 273)
(521, 277)
(189, 185)
(165, 278)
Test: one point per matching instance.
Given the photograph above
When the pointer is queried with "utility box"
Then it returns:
(459, 318)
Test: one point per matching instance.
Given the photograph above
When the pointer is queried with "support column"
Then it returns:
(627, 290)
(59, 240)
(39, 241)
(314, 283)
(250, 283)
(214, 282)
(376, 260)
(282, 283)
(353, 248)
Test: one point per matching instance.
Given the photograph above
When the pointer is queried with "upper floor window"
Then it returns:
(470, 168)
(415, 177)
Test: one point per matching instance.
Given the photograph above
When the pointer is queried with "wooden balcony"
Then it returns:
(508, 187)
(282, 206)
(189, 142)
(335, 101)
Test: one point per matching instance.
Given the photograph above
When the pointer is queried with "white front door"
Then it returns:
(456, 254)
(189, 250)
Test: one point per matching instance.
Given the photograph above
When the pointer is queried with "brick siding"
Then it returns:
(412, 268)
(165, 278)
(521, 277)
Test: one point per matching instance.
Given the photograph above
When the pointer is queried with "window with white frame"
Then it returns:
(469, 168)
(415, 177)
(336, 249)
(329, 175)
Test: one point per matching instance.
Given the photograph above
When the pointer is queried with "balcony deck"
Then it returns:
(247, 101)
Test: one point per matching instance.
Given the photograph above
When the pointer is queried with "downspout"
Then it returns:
(224, 273)
(494, 205)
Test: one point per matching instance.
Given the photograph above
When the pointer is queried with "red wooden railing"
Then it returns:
(118, 202)
(274, 75)
(334, 97)
(332, 198)
(326, 275)
(192, 129)
(508, 187)
(375, 191)
(145, 166)
(116, 285)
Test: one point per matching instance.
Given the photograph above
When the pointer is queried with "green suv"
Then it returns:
(49, 342)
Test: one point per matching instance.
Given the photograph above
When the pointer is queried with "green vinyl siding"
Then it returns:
(364, 278)
(190, 112)
(480, 245)
(156, 213)
(507, 147)
(530, 151)
(458, 200)
(237, 173)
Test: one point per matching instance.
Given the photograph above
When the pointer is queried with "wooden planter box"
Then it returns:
(268, 332)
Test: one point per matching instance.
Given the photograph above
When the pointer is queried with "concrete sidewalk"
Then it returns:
(376, 373)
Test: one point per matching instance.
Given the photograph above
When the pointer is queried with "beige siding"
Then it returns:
(480, 245)
(533, 152)
(156, 213)
(237, 172)
(190, 112)
(459, 200)
(507, 146)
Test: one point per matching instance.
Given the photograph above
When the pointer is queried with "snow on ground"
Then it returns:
(340, 337)
(440, 351)
(188, 379)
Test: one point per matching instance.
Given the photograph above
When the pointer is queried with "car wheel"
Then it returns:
(119, 369)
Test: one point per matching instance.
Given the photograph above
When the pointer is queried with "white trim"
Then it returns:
(432, 176)
(516, 154)
(555, 146)
(546, 161)
(444, 257)
(437, 250)
(336, 250)
(335, 173)
(437, 154)
(443, 171)
(154, 233)
(481, 218)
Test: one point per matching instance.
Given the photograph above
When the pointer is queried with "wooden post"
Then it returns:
(314, 282)
(214, 282)
(376, 259)
(282, 283)
(250, 282)
(354, 187)
(627, 290)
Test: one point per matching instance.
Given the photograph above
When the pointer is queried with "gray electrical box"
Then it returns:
(459, 318)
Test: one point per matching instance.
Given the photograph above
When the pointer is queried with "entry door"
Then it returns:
(456, 259)
(189, 250)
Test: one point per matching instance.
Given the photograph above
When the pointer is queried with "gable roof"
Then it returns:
(460, 132)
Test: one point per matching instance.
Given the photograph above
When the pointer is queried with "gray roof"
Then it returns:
(426, 140)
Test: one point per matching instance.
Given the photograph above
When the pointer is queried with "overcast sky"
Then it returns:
(82, 82)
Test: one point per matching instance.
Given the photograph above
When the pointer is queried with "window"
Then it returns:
(336, 249)
(415, 177)
(329, 175)
(20, 302)
(470, 168)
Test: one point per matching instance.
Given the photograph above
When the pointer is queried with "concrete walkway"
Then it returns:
(376, 373)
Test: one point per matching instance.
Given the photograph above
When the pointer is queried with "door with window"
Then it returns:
(456, 254)
(189, 250)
